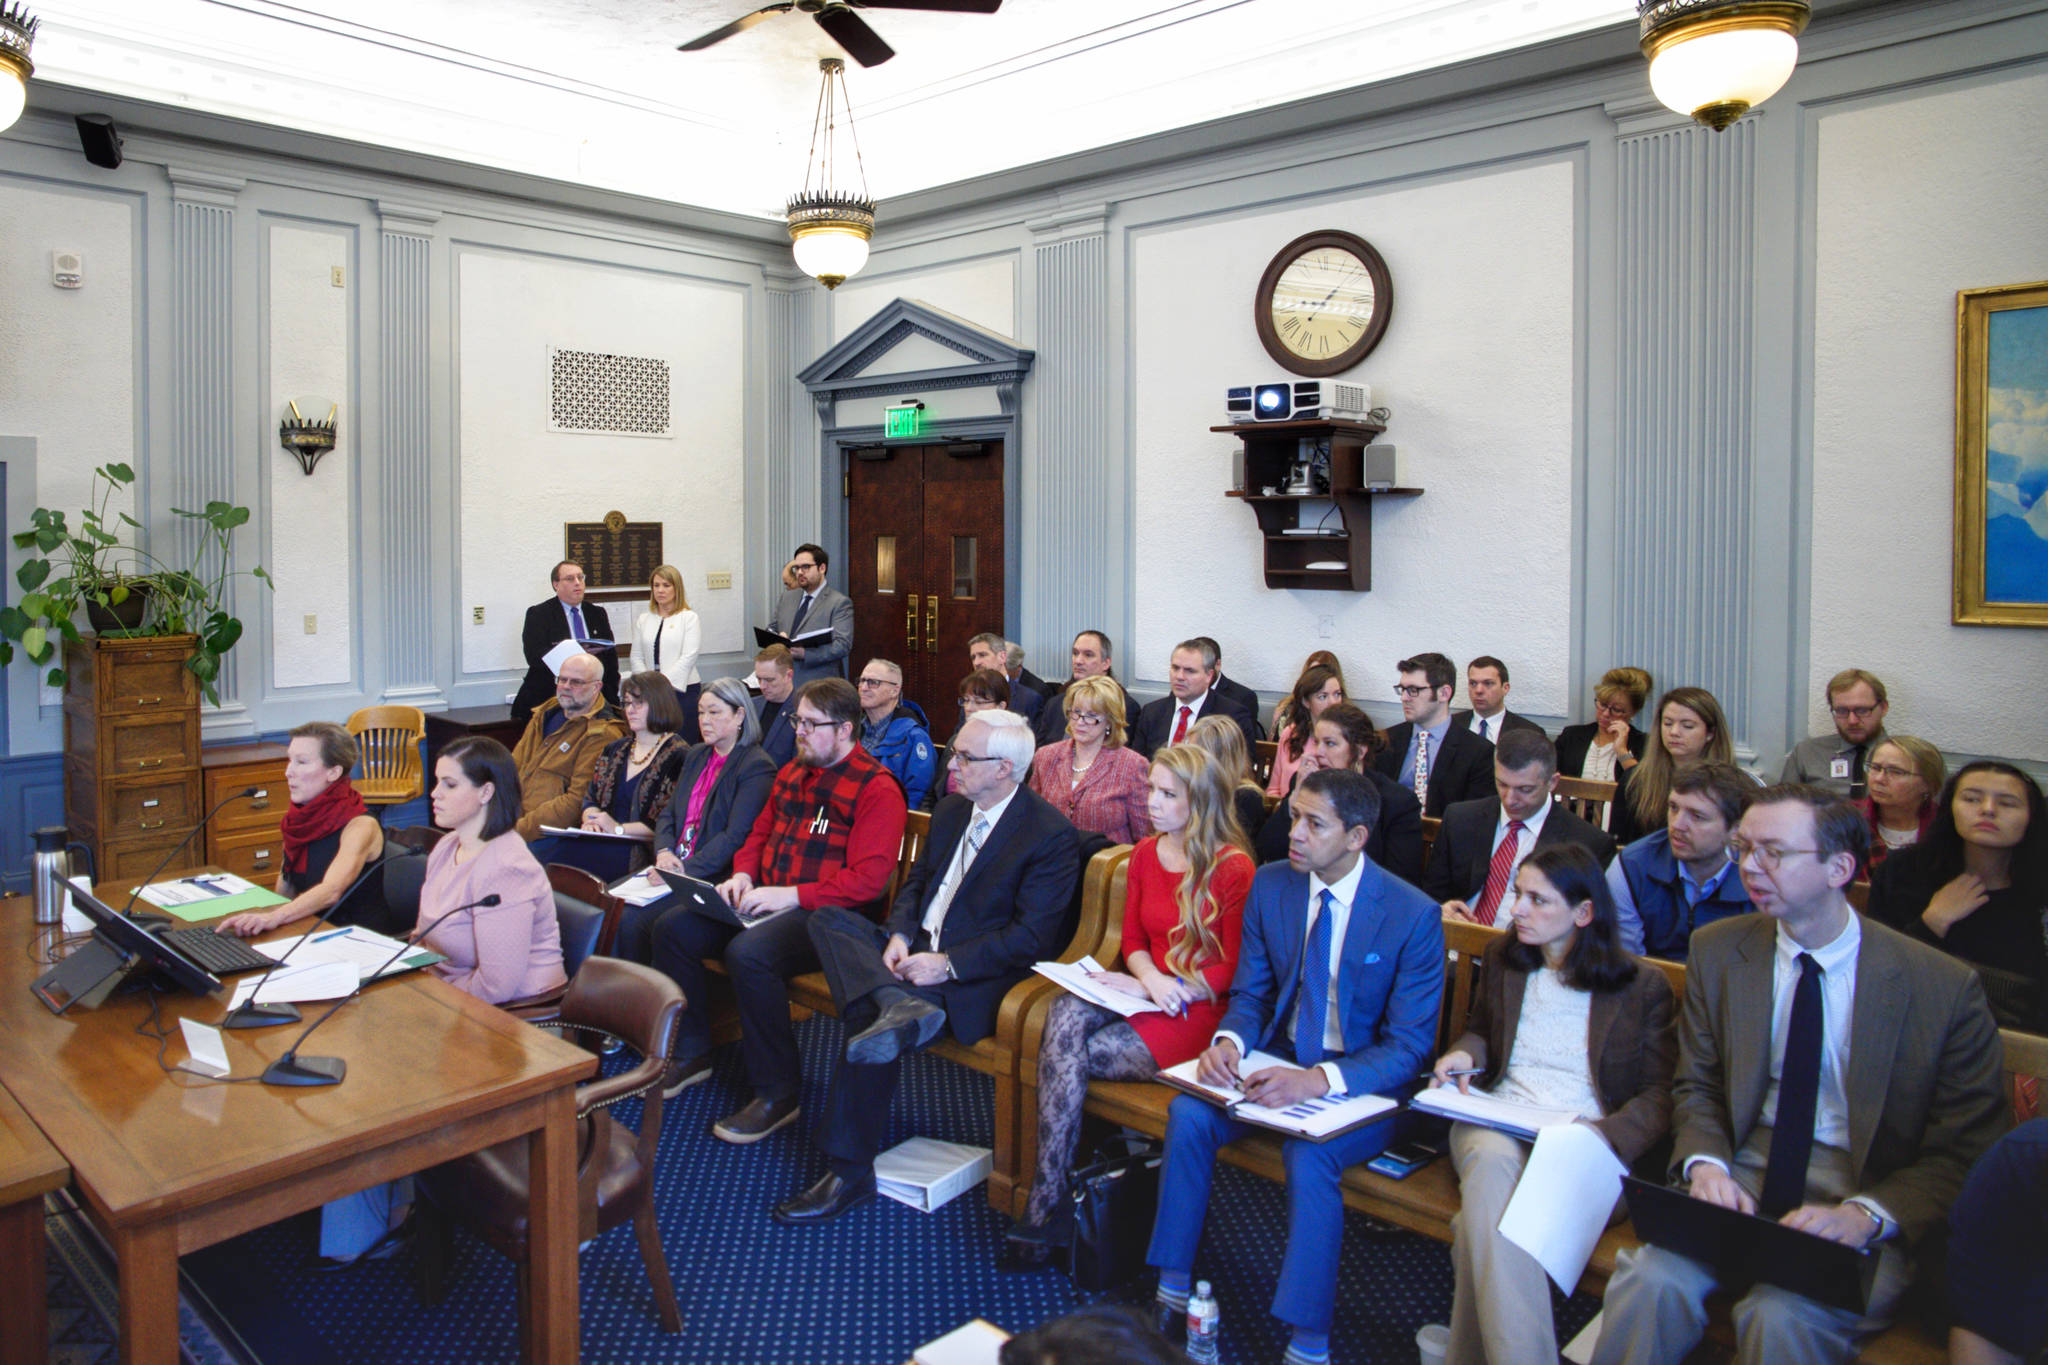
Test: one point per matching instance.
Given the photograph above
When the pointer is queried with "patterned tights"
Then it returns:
(1082, 1042)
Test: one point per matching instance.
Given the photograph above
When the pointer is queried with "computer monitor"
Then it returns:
(119, 946)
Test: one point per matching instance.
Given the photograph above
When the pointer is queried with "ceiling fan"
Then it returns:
(841, 24)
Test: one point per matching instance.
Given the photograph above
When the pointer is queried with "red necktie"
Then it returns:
(1497, 873)
(1180, 731)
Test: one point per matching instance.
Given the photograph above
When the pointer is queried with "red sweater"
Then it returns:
(833, 833)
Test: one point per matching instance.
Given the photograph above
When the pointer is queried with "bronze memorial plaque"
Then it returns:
(614, 553)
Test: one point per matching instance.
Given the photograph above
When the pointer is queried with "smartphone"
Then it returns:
(1413, 1153)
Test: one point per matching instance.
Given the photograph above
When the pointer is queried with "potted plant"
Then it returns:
(121, 588)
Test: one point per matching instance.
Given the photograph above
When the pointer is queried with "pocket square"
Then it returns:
(1371, 958)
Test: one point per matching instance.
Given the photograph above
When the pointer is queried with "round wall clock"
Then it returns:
(1324, 303)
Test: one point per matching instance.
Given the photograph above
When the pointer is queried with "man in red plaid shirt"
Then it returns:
(829, 835)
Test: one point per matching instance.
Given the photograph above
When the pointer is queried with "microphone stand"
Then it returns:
(253, 1014)
(292, 1069)
(146, 918)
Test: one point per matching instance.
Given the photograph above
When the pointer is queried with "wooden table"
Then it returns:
(166, 1165)
(29, 1169)
(445, 727)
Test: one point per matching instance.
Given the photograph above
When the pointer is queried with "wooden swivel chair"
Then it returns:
(486, 1191)
(389, 738)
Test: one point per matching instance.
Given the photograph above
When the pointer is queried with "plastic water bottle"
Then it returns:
(1204, 1321)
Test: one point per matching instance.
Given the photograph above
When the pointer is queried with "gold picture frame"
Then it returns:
(2001, 507)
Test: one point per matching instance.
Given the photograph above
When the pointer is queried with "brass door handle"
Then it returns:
(931, 623)
(910, 624)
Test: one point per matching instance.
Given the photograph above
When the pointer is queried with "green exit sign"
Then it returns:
(905, 420)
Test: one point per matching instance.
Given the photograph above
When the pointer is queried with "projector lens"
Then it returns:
(1273, 399)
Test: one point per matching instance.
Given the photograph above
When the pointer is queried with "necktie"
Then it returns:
(803, 609)
(576, 626)
(1497, 873)
(1313, 1012)
(1857, 788)
(1483, 723)
(1422, 767)
(1180, 731)
(935, 916)
(1798, 1092)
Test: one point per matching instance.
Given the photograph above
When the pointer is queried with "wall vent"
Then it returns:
(617, 395)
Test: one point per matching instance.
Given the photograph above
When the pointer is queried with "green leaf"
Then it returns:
(35, 641)
(32, 574)
(119, 474)
(103, 537)
(263, 574)
(49, 538)
(117, 594)
(35, 605)
(222, 636)
(13, 621)
(205, 665)
(56, 677)
(131, 521)
(6, 653)
(228, 518)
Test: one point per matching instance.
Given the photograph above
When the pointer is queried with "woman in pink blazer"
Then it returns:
(1090, 777)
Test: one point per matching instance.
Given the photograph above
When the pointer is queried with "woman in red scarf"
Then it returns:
(328, 837)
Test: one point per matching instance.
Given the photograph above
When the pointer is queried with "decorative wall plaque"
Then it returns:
(614, 553)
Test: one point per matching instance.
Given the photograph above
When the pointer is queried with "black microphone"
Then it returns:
(291, 1069)
(251, 1014)
(244, 794)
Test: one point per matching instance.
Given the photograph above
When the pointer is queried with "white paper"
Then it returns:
(1073, 977)
(75, 919)
(569, 649)
(581, 833)
(1490, 1111)
(363, 949)
(1312, 1118)
(637, 890)
(1563, 1200)
(297, 981)
(1579, 1350)
(978, 1343)
(203, 886)
(209, 1053)
(927, 1174)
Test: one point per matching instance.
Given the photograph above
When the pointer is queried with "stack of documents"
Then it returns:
(371, 954)
(1316, 1119)
(208, 895)
(1074, 977)
(1488, 1111)
(638, 890)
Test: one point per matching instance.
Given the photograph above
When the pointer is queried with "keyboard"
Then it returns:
(221, 954)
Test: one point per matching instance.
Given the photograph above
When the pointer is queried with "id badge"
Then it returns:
(1838, 767)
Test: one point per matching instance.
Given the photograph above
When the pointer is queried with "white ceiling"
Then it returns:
(593, 91)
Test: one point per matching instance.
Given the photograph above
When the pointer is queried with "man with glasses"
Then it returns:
(1438, 761)
(893, 730)
(565, 616)
(558, 750)
(1857, 703)
(829, 836)
(1682, 878)
(1090, 659)
(985, 900)
(1832, 1075)
(811, 607)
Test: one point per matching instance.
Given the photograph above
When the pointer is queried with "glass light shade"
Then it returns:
(13, 95)
(831, 253)
(1730, 70)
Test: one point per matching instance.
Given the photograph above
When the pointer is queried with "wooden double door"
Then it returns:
(924, 534)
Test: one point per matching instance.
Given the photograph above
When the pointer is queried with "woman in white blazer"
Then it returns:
(667, 638)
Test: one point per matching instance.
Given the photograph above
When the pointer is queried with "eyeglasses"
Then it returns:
(1608, 708)
(1409, 690)
(1889, 770)
(1768, 856)
(962, 757)
(879, 682)
(1084, 718)
(563, 680)
(803, 725)
(1852, 712)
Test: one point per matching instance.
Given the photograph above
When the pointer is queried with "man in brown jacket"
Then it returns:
(558, 751)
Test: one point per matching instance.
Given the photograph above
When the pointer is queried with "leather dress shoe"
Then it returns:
(1021, 1254)
(684, 1074)
(907, 1023)
(757, 1120)
(826, 1200)
(1171, 1323)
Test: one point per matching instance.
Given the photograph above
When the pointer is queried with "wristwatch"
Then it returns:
(951, 975)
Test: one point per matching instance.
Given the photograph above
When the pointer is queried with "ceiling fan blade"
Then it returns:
(851, 32)
(948, 6)
(739, 25)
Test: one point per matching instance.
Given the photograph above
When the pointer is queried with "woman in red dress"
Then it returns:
(1183, 915)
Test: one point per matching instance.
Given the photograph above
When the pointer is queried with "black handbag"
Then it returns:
(1114, 1198)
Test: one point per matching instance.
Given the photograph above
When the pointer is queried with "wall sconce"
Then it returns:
(307, 440)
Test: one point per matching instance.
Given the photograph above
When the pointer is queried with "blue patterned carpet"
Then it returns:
(864, 1290)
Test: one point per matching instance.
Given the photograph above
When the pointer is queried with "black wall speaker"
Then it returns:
(102, 144)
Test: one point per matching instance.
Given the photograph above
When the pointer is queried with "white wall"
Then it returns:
(312, 518)
(1918, 198)
(1477, 366)
(520, 481)
(983, 291)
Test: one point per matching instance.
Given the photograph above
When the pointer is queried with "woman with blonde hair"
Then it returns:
(1090, 777)
(667, 638)
(1689, 729)
(1223, 738)
(1183, 917)
(1609, 744)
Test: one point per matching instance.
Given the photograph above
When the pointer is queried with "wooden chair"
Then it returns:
(1263, 754)
(587, 916)
(389, 737)
(486, 1191)
(1586, 799)
(1431, 825)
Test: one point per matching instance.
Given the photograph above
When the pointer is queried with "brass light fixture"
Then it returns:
(307, 439)
(1715, 60)
(17, 33)
(829, 228)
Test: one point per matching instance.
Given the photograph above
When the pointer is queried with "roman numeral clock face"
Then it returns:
(1323, 303)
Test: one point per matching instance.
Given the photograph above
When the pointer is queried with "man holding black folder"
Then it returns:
(810, 607)
(1832, 1075)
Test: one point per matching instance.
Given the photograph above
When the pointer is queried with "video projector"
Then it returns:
(1329, 400)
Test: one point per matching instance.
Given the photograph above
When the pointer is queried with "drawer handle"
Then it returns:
(153, 802)
(149, 701)
(150, 824)
(149, 762)
(262, 794)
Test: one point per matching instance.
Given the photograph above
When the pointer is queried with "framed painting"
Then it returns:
(2001, 513)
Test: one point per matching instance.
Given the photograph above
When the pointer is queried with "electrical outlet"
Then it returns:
(476, 616)
(719, 580)
(1326, 627)
(335, 277)
(312, 624)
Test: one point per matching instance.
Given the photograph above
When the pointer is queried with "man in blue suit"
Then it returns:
(1342, 968)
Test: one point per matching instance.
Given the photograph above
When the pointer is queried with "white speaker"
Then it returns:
(67, 269)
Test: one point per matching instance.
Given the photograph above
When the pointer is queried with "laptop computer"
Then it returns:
(1744, 1248)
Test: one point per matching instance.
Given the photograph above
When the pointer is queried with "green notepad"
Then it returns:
(255, 899)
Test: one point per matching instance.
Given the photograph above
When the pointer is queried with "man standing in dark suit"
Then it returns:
(1091, 659)
(1246, 699)
(1438, 761)
(1341, 969)
(1486, 687)
(565, 616)
(984, 902)
(1832, 1074)
(1482, 843)
(1191, 673)
(812, 606)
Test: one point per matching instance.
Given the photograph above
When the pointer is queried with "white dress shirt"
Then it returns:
(1341, 892)
(956, 868)
(1491, 725)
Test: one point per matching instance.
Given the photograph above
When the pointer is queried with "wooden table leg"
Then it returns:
(552, 1322)
(147, 1258)
(25, 1326)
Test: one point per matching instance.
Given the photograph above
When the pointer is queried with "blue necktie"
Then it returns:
(576, 626)
(1313, 1013)
(803, 609)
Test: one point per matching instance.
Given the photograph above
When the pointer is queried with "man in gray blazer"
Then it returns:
(811, 606)
(1832, 1074)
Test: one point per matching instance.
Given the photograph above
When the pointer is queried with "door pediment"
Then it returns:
(911, 346)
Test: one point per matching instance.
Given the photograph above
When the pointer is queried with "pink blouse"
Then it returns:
(1284, 764)
(500, 952)
(1110, 797)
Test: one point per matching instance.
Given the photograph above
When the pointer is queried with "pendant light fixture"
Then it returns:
(829, 228)
(17, 32)
(1715, 60)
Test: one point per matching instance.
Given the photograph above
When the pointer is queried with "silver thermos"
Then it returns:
(51, 868)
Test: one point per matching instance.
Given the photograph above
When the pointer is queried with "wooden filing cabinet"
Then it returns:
(245, 837)
(132, 785)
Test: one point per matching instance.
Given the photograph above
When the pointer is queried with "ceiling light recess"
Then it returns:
(829, 227)
(1715, 60)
